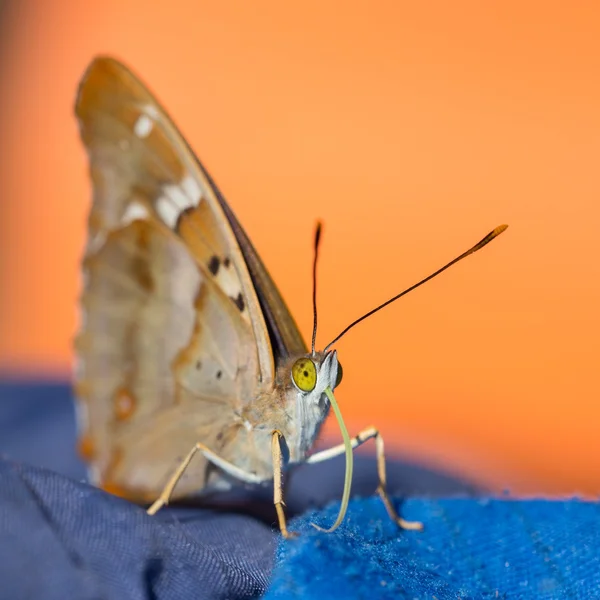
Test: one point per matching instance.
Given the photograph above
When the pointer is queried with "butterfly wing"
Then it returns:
(175, 340)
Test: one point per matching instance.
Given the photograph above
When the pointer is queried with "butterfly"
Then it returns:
(191, 374)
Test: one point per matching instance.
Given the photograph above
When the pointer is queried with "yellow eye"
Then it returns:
(340, 374)
(304, 374)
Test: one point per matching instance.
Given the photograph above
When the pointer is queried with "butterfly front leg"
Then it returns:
(223, 464)
(358, 440)
(278, 483)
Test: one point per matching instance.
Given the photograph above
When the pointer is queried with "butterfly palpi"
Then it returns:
(191, 374)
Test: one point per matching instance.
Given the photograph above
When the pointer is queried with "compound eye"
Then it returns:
(340, 374)
(304, 374)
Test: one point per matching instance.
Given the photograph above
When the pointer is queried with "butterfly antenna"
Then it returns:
(486, 240)
(314, 282)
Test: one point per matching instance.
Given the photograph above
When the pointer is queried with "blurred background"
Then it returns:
(411, 129)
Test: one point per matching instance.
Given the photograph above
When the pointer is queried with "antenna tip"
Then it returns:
(486, 240)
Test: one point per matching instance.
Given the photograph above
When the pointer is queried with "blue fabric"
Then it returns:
(61, 538)
(470, 548)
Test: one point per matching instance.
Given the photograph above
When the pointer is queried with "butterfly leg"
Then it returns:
(359, 440)
(228, 467)
(278, 484)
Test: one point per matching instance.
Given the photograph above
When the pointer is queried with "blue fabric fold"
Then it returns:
(64, 539)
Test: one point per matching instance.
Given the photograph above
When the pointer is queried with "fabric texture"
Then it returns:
(62, 538)
(470, 549)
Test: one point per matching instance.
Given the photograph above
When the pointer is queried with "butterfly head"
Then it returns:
(304, 385)
(312, 374)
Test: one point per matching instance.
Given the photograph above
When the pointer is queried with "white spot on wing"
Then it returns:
(192, 189)
(143, 126)
(167, 211)
(151, 111)
(134, 211)
(229, 281)
(177, 198)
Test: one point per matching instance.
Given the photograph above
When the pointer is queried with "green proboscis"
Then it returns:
(349, 465)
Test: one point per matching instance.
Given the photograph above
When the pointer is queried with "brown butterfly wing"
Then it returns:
(173, 342)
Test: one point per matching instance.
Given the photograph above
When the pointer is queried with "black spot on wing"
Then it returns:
(219, 374)
(213, 264)
(239, 301)
(226, 263)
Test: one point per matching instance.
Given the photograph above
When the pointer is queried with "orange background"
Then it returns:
(412, 129)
